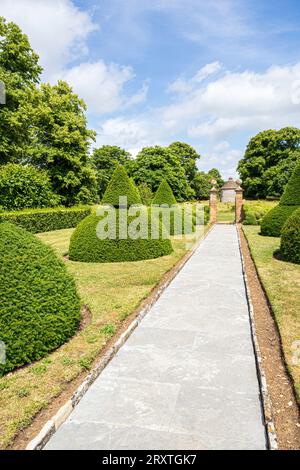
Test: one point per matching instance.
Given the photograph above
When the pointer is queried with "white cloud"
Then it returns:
(57, 29)
(101, 86)
(131, 133)
(238, 101)
(182, 86)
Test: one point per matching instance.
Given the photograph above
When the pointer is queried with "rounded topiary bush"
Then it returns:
(164, 195)
(39, 308)
(275, 219)
(88, 245)
(25, 187)
(290, 238)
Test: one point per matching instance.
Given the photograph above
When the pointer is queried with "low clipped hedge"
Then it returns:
(45, 220)
(290, 238)
(86, 246)
(274, 220)
(39, 308)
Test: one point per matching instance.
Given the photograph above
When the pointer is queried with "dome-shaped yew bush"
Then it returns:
(39, 308)
(88, 244)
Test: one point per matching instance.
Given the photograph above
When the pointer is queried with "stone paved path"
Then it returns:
(186, 378)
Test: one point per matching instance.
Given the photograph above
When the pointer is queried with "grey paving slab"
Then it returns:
(186, 378)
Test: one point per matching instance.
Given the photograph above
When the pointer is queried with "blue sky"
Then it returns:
(209, 73)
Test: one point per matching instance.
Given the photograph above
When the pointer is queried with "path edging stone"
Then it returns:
(41, 439)
(265, 396)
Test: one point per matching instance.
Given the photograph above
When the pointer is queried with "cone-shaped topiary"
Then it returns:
(290, 238)
(273, 221)
(291, 194)
(164, 195)
(121, 185)
(88, 245)
(39, 308)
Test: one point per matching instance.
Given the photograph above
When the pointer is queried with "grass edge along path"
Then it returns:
(281, 281)
(112, 292)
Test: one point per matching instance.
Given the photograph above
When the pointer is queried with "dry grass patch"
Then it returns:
(281, 281)
(111, 292)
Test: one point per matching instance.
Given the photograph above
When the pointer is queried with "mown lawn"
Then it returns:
(112, 292)
(226, 212)
(282, 284)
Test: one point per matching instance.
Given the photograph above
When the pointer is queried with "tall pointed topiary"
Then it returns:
(273, 221)
(129, 235)
(164, 195)
(291, 194)
(121, 185)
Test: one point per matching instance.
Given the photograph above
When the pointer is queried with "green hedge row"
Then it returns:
(45, 220)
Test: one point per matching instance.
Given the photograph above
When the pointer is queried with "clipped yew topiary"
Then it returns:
(87, 246)
(173, 213)
(273, 221)
(119, 241)
(39, 308)
(164, 195)
(290, 238)
(121, 185)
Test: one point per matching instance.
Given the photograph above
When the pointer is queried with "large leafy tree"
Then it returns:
(269, 161)
(105, 159)
(188, 157)
(61, 143)
(20, 72)
(153, 164)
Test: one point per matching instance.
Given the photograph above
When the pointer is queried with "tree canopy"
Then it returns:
(153, 164)
(105, 159)
(269, 161)
(188, 157)
(19, 71)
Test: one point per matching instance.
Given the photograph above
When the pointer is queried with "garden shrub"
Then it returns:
(274, 221)
(164, 195)
(45, 220)
(86, 246)
(121, 185)
(257, 208)
(145, 193)
(39, 309)
(250, 218)
(291, 194)
(119, 244)
(25, 187)
(290, 238)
